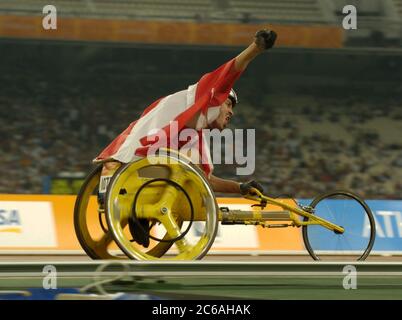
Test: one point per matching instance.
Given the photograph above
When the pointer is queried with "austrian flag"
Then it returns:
(196, 108)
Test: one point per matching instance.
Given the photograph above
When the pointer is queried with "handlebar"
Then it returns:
(256, 195)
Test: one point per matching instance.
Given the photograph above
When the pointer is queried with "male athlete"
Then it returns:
(208, 104)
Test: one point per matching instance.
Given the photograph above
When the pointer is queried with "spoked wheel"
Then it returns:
(349, 211)
(90, 226)
(170, 195)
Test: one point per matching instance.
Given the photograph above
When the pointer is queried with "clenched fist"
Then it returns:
(265, 39)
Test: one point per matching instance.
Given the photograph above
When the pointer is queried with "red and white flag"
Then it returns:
(200, 100)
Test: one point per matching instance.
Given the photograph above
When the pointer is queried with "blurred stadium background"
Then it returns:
(325, 103)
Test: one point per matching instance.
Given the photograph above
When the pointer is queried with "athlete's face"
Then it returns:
(225, 114)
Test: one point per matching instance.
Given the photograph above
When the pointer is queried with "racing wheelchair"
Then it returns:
(164, 203)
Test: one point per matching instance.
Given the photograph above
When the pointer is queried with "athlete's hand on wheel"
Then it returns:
(247, 187)
(265, 39)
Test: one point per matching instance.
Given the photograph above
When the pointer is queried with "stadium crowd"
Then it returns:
(304, 145)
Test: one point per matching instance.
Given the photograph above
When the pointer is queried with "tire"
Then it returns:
(355, 243)
(78, 211)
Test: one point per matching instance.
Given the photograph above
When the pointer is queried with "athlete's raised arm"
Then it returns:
(263, 40)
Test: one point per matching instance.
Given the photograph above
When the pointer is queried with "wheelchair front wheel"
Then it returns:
(353, 214)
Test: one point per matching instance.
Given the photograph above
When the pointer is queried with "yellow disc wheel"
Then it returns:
(162, 199)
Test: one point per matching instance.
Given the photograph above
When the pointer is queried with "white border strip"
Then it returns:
(212, 253)
(200, 263)
(317, 274)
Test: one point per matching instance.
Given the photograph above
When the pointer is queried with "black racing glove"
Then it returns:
(246, 187)
(265, 39)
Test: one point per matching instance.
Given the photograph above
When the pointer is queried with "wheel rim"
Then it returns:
(350, 212)
(130, 178)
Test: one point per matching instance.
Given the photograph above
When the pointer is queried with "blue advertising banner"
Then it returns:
(388, 216)
(350, 215)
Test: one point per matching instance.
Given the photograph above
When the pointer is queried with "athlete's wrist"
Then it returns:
(256, 49)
